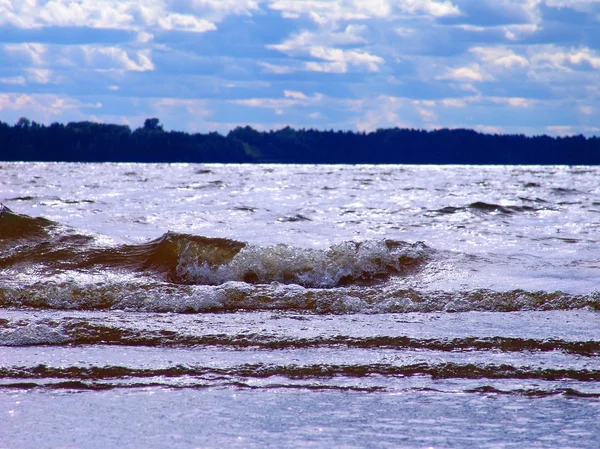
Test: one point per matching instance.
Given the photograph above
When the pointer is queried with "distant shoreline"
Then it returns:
(98, 142)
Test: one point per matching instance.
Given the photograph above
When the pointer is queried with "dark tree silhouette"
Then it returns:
(152, 124)
(96, 142)
(23, 122)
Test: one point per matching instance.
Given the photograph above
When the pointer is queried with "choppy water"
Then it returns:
(253, 306)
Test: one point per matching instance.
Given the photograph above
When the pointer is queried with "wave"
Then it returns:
(27, 241)
(82, 332)
(482, 207)
(441, 370)
(232, 296)
(348, 263)
(16, 227)
(55, 267)
(189, 259)
(224, 382)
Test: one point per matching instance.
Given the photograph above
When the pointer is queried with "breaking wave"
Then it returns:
(189, 259)
(60, 268)
(15, 227)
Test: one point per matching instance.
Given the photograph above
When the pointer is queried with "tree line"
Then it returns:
(97, 142)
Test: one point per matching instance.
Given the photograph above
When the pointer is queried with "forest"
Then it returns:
(96, 142)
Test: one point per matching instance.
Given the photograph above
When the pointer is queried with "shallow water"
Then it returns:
(156, 417)
(263, 305)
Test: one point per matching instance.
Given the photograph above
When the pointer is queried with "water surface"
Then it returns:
(290, 305)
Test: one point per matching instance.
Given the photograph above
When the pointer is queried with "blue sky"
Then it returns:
(506, 66)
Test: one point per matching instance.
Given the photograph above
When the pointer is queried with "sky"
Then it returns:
(499, 66)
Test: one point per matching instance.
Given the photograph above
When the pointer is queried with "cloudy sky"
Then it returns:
(509, 66)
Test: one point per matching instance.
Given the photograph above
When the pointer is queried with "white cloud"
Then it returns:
(517, 11)
(488, 129)
(467, 87)
(305, 40)
(578, 5)
(126, 14)
(326, 67)
(330, 59)
(13, 80)
(404, 32)
(372, 8)
(390, 111)
(325, 12)
(39, 76)
(567, 59)
(33, 53)
(512, 32)
(470, 73)
(429, 7)
(339, 60)
(277, 69)
(113, 58)
(38, 59)
(572, 130)
(471, 28)
(490, 64)
(95, 14)
(561, 130)
(268, 103)
(427, 103)
(373, 120)
(383, 112)
(144, 37)
(294, 94)
(454, 102)
(18, 13)
(515, 102)
(85, 13)
(427, 114)
(520, 31)
(499, 56)
(186, 23)
(448, 102)
(219, 9)
(291, 99)
(196, 108)
(42, 107)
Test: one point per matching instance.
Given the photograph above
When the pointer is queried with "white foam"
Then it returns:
(32, 334)
(308, 267)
